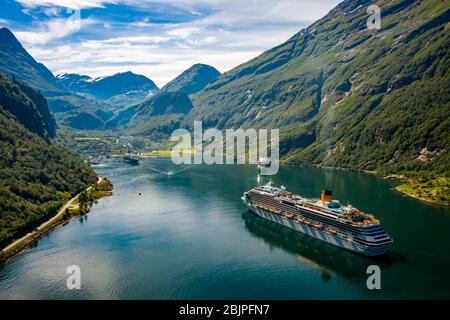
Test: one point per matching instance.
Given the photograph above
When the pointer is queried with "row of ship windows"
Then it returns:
(271, 202)
(371, 231)
(376, 243)
(287, 205)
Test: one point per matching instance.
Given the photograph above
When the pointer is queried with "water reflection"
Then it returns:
(187, 235)
(326, 258)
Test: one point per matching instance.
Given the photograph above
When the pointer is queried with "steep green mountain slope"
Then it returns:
(84, 121)
(158, 116)
(347, 96)
(193, 79)
(16, 61)
(27, 106)
(36, 176)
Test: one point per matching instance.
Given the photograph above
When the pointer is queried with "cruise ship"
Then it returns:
(325, 219)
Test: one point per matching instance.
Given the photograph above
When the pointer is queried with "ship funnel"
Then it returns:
(326, 196)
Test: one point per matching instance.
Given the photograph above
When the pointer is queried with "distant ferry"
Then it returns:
(324, 219)
(131, 158)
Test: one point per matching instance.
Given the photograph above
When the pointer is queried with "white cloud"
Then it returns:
(253, 10)
(4, 23)
(183, 32)
(142, 55)
(232, 33)
(52, 11)
(51, 30)
(64, 3)
(143, 23)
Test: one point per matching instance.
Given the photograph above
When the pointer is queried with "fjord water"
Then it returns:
(188, 236)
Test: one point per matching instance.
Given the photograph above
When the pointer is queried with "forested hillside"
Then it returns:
(37, 176)
(27, 106)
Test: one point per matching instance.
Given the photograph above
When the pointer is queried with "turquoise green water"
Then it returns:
(187, 236)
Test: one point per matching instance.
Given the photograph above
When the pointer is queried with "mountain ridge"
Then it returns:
(112, 86)
(193, 79)
(16, 61)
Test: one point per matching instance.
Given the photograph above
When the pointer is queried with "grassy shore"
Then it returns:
(165, 153)
(431, 189)
(157, 153)
(78, 205)
(435, 191)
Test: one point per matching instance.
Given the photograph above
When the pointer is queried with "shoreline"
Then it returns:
(424, 200)
(401, 179)
(142, 156)
(21, 244)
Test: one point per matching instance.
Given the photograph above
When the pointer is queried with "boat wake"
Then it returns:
(169, 172)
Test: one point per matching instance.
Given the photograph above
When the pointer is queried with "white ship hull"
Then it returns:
(334, 239)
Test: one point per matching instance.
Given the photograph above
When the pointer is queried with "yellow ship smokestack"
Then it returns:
(326, 196)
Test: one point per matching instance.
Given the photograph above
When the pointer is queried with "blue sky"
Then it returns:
(156, 38)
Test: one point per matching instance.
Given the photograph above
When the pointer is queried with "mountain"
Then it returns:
(16, 61)
(106, 95)
(73, 82)
(193, 79)
(119, 89)
(346, 96)
(27, 106)
(84, 121)
(37, 176)
(160, 115)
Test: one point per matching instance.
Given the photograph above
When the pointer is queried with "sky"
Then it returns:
(156, 38)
